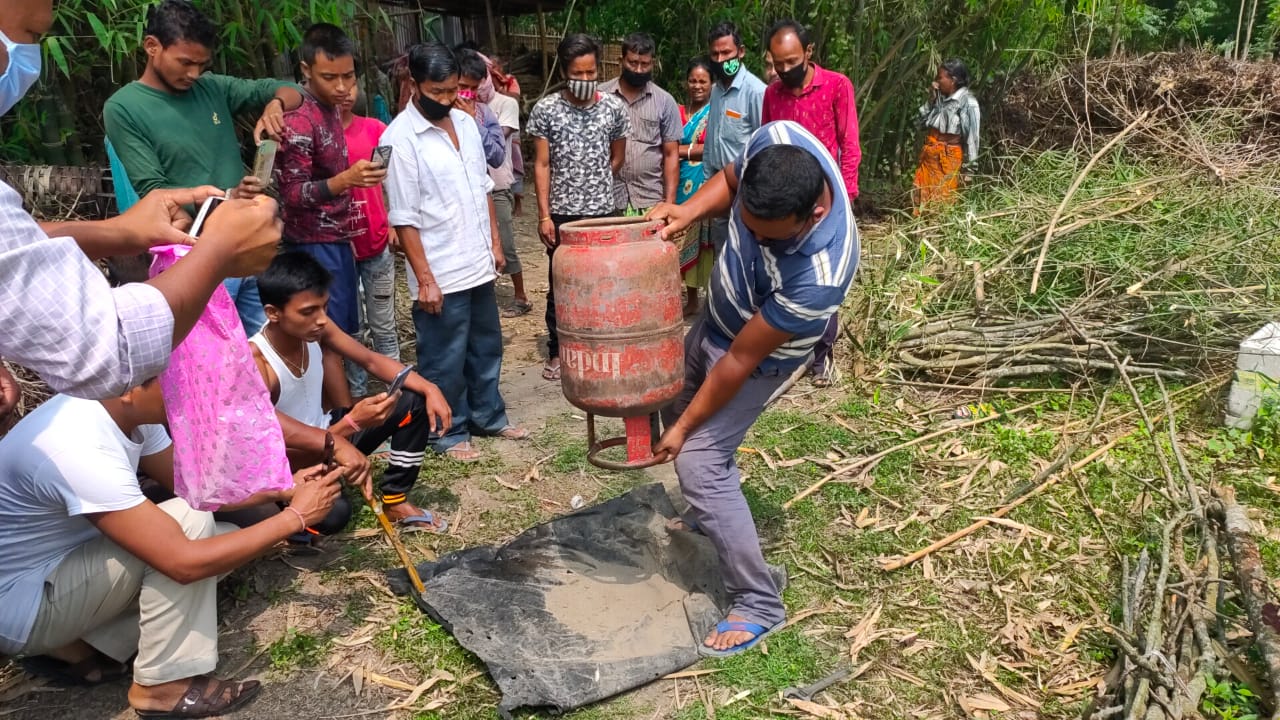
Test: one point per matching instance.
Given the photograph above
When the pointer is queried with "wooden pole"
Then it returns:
(493, 26)
(542, 42)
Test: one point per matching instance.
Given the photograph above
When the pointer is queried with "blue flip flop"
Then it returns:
(412, 524)
(760, 631)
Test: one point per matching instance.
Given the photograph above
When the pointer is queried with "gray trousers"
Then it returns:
(710, 481)
(503, 207)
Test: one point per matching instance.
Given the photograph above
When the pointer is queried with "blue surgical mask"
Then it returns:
(22, 72)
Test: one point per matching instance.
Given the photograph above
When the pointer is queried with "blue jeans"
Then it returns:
(340, 260)
(377, 314)
(244, 293)
(460, 350)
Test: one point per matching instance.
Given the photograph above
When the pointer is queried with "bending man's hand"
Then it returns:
(670, 444)
(676, 218)
(10, 393)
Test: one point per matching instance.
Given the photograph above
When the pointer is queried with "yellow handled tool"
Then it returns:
(394, 537)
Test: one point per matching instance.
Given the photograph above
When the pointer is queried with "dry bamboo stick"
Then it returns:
(1252, 581)
(860, 462)
(1071, 191)
(1042, 481)
(967, 388)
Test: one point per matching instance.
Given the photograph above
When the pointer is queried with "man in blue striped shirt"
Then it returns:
(784, 270)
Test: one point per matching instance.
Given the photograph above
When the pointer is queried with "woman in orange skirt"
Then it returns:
(952, 120)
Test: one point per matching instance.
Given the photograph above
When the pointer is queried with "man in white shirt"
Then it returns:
(91, 572)
(438, 194)
(57, 314)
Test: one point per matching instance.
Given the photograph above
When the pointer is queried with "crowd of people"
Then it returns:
(104, 575)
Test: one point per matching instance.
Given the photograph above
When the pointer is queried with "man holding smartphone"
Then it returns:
(288, 352)
(316, 184)
(175, 126)
(374, 263)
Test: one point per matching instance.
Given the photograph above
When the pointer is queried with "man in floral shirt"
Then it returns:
(312, 172)
(580, 142)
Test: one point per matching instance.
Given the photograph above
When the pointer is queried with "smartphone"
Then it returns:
(398, 382)
(206, 210)
(264, 162)
(381, 156)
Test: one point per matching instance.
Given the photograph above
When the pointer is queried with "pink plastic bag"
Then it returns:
(227, 442)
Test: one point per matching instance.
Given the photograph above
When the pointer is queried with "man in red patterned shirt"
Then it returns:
(312, 174)
(822, 101)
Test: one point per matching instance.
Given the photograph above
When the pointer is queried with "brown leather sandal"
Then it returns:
(208, 697)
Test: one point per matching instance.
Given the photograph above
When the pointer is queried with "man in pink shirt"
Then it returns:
(374, 264)
(821, 101)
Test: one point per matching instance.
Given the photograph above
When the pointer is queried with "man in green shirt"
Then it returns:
(175, 127)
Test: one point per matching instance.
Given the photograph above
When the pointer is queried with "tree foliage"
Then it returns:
(891, 48)
(888, 47)
(95, 47)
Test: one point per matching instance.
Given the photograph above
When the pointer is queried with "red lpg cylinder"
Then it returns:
(621, 330)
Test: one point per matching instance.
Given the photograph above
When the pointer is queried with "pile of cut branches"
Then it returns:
(1098, 97)
(1152, 257)
(991, 348)
(1180, 632)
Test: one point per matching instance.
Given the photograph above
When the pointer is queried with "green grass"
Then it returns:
(791, 660)
(956, 614)
(412, 638)
(297, 650)
(996, 590)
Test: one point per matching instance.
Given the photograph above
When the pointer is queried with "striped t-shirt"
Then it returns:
(795, 288)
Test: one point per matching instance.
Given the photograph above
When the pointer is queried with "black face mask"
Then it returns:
(636, 79)
(727, 69)
(794, 77)
(431, 109)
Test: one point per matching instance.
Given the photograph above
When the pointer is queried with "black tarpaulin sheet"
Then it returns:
(581, 608)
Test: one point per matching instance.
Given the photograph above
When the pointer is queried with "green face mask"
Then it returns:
(731, 66)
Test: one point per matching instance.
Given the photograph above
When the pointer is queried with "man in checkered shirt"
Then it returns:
(57, 314)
